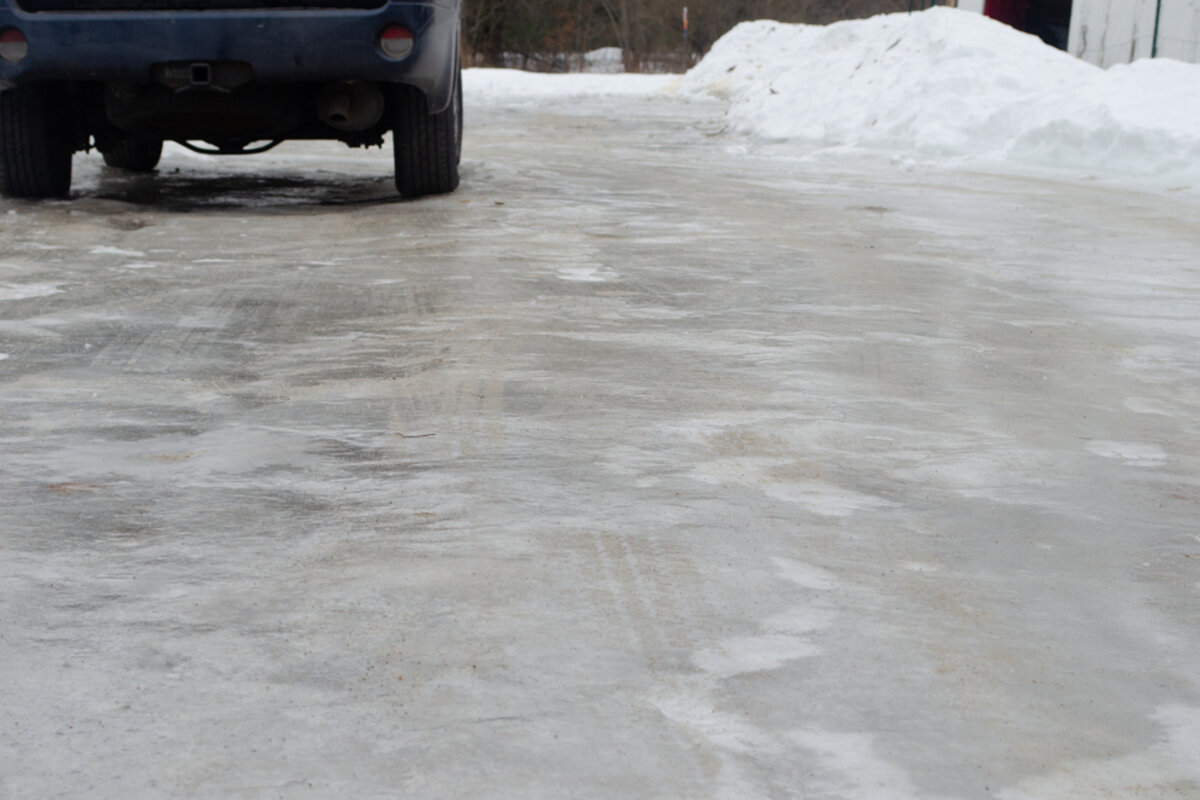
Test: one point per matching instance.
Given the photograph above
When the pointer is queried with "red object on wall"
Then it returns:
(1010, 12)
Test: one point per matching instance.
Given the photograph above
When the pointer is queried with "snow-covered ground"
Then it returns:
(937, 87)
(489, 87)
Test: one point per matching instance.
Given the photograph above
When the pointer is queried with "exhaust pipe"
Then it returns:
(350, 106)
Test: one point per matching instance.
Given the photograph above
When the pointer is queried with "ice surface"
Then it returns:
(856, 769)
(1162, 771)
(1135, 454)
(642, 466)
(116, 251)
(22, 291)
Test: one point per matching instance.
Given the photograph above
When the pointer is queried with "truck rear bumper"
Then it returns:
(281, 46)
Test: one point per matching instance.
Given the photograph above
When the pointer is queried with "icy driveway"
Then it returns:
(635, 469)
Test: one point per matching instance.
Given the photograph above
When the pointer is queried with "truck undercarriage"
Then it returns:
(225, 77)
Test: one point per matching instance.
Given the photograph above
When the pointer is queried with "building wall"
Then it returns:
(1179, 30)
(1107, 32)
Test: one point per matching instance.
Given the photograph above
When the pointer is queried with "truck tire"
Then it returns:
(427, 147)
(35, 144)
(133, 155)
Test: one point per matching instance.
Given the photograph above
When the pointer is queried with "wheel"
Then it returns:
(35, 144)
(133, 155)
(427, 147)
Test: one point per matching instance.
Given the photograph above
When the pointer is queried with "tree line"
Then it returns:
(544, 34)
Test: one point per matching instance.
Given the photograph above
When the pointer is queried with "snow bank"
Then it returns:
(951, 84)
(513, 87)
(607, 60)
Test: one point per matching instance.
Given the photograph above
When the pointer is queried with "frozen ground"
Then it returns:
(657, 462)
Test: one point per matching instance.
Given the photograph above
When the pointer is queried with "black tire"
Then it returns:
(132, 155)
(427, 147)
(35, 144)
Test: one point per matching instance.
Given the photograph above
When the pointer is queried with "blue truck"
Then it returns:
(226, 77)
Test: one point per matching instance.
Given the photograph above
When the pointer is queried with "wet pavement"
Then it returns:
(644, 466)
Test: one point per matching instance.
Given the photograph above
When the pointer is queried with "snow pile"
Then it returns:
(947, 83)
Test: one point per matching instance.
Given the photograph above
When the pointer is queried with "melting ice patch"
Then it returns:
(1134, 454)
(587, 274)
(694, 709)
(1142, 405)
(692, 706)
(22, 291)
(825, 499)
(694, 701)
(852, 768)
(1165, 769)
(806, 575)
(116, 251)
(1182, 725)
(778, 478)
(217, 456)
(753, 654)
(785, 636)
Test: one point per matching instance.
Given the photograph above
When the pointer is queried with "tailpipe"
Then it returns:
(350, 106)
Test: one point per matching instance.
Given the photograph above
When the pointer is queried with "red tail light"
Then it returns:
(396, 42)
(13, 46)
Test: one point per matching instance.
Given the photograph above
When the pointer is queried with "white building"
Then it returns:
(1105, 32)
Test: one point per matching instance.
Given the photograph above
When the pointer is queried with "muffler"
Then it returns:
(350, 106)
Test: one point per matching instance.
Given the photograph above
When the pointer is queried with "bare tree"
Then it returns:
(649, 32)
